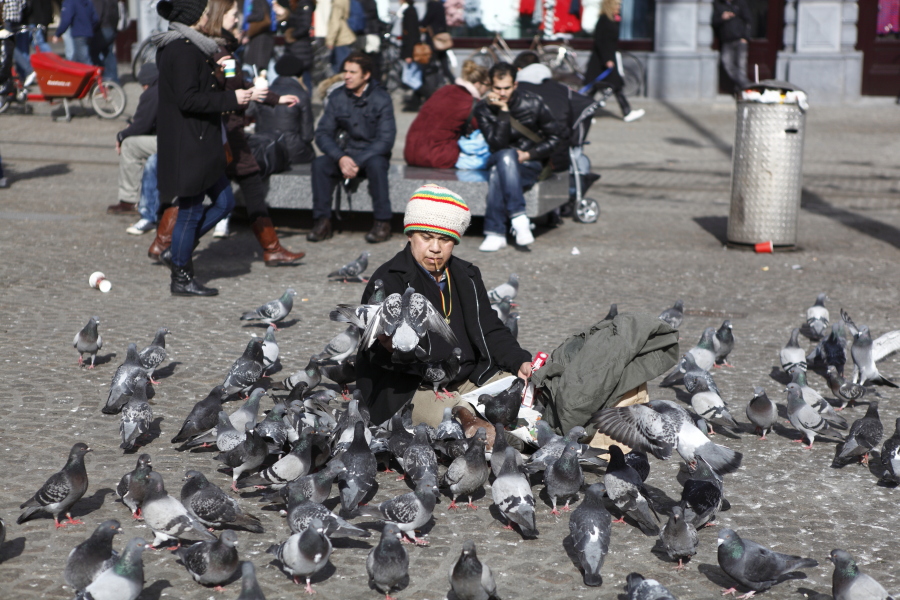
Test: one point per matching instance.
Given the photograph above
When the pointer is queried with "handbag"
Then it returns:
(442, 41)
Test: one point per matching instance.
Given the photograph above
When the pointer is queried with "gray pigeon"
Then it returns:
(358, 480)
(272, 311)
(753, 565)
(226, 437)
(864, 435)
(273, 429)
(304, 553)
(419, 460)
(625, 488)
(470, 579)
(122, 384)
(229, 432)
(153, 355)
(709, 405)
(449, 428)
(440, 374)
(792, 355)
(761, 412)
(817, 317)
(639, 588)
(504, 406)
(512, 323)
(702, 496)
(849, 583)
(341, 346)
(861, 351)
(301, 511)
(250, 589)
(353, 269)
(388, 563)
(612, 313)
(498, 452)
(831, 350)
(246, 370)
(360, 315)
(552, 448)
(890, 457)
(469, 472)
(61, 491)
(137, 416)
(93, 556)
(213, 507)
(704, 356)
(673, 316)
(211, 562)
(589, 526)
(806, 420)
(409, 511)
(270, 349)
(167, 517)
(291, 466)
(510, 290)
(246, 456)
(723, 344)
(202, 417)
(133, 485)
(309, 375)
(679, 537)
(512, 495)
(124, 580)
(503, 308)
(694, 376)
(846, 391)
(564, 478)
(88, 341)
(316, 486)
(815, 399)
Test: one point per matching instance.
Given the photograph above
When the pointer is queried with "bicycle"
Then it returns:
(146, 53)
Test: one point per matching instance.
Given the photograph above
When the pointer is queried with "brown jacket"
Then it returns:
(339, 32)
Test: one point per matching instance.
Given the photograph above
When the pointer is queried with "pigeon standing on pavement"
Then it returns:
(861, 351)
(702, 496)
(564, 478)
(792, 355)
(753, 565)
(449, 428)
(153, 355)
(211, 562)
(639, 588)
(498, 453)
(272, 311)
(846, 391)
(470, 579)
(625, 488)
(301, 511)
(309, 375)
(291, 466)
(122, 384)
(694, 376)
(709, 405)
(250, 589)
(815, 400)
(806, 420)
(246, 370)
(890, 457)
(469, 472)
(510, 290)
(409, 511)
(419, 460)
(864, 435)
(723, 344)
(679, 537)
(831, 351)
(88, 341)
(703, 354)
(246, 456)
(358, 480)
(61, 491)
(673, 316)
(762, 412)
(637, 460)
(512, 495)
(353, 269)
(167, 517)
(133, 485)
(202, 417)
(124, 580)
(270, 349)
(589, 526)
(503, 308)
(849, 583)
(93, 556)
(137, 416)
(817, 317)
(388, 563)
(315, 486)
(213, 507)
(304, 553)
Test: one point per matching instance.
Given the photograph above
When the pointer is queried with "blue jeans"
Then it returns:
(69, 43)
(195, 219)
(22, 53)
(149, 203)
(39, 34)
(338, 55)
(81, 49)
(506, 196)
(103, 46)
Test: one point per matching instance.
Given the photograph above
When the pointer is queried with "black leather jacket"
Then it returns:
(529, 110)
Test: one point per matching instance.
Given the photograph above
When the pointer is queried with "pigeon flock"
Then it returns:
(295, 464)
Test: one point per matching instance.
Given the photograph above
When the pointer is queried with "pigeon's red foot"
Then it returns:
(729, 592)
(680, 566)
(555, 512)
(453, 505)
(72, 521)
(472, 506)
(619, 520)
(402, 477)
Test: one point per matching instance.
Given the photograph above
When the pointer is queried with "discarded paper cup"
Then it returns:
(763, 247)
(99, 281)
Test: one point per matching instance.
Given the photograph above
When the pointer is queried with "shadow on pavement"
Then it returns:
(715, 226)
(41, 172)
(873, 228)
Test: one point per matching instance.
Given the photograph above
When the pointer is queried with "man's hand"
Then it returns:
(727, 15)
(610, 64)
(243, 96)
(523, 156)
(289, 99)
(258, 94)
(348, 166)
(221, 61)
(494, 100)
(525, 371)
(55, 39)
(118, 148)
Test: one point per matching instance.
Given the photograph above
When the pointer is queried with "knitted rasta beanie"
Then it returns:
(186, 12)
(438, 210)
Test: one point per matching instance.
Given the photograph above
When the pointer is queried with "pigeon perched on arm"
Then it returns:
(625, 488)
(806, 420)
(863, 437)
(272, 311)
(792, 355)
(512, 495)
(470, 579)
(153, 355)
(890, 457)
(250, 589)
(167, 517)
(589, 526)
(387, 564)
(270, 349)
(88, 341)
(861, 351)
(304, 553)
(761, 412)
(753, 565)
(132, 487)
(122, 384)
(673, 316)
(61, 491)
(703, 354)
(358, 480)
(137, 416)
(679, 537)
(202, 417)
(213, 507)
(211, 562)
(246, 370)
(817, 317)
(93, 556)
(563, 478)
(468, 472)
(849, 583)
(353, 269)
(124, 580)
(409, 511)
(639, 588)
(510, 290)
(723, 344)
(847, 392)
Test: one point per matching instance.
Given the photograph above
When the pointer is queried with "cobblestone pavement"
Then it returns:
(664, 198)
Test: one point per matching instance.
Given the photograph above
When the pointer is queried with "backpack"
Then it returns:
(357, 18)
(271, 153)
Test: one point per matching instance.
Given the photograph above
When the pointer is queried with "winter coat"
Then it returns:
(80, 15)
(189, 123)
(294, 123)
(735, 28)
(144, 120)
(108, 13)
(388, 386)
(367, 119)
(606, 42)
(591, 370)
(565, 105)
(442, 120)
(299, 23)
(529, 110)
(410, 35)
(339, 32)
(41, 13)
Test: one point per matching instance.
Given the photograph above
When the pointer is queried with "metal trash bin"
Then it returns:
(767, 168)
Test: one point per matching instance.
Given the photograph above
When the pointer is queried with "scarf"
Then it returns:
(180, 31)
(469, 87)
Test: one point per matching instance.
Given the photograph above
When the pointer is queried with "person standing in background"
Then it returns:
(260, 23)
(298, 37)
(13, 20)
(81, 17)
(340, 37)
(103, 43)
(603, 57)
(38, 20)
(731, 20)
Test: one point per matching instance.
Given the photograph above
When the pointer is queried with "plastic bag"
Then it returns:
(412, 75)
(473, 152)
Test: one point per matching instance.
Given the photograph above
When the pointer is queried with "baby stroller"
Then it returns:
(584, 210)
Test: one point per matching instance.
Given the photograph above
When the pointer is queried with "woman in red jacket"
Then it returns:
(432, 140)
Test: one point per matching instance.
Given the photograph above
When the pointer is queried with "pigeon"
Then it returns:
(388, 563)
(512, 323)
(510, 290)
(229, 432)
(341, 372)
(890, 457)
(342, 345)
(660, 427)
(831, 351)
(250, 589)
(122, 385)
(815, 399)
(564, 478)
(246, 456)
(468, 472)
(153, 355)
(133, 485)
(400, 438)
(316, 487)
(406, 320)
(503, 308)
(273, 430)
(723, 343)
(124, 580)
(625, 488)
(449, 428)
(470, 423)
(409, 511)
(358, 480)
(553, 446)
(61, 491)
(470, 579)
(639, 588)
(213, 507)
(498, 453)
(309, 375)
(849, 583)
(353, 269)
(440, 374)
(679, 537)
(806, 420)
(702, 496)
(612, 313)
(761, 412)
(703, 354)
(817, 317)
(304, 553)
(246, 370)
(93, 556)
(637, 460)
(291, 466)
(753, 565)
(419, 459)
(710, 406)
(846, 391)
(203, 417)
(504, 407)
(346, 423)
(360, 315)
(272, 311)
(589, 527)
(136, 414)
(302, 511)
(167, 517)
(864, 435)
(270, 349)
(211, 562)
(88, 341)
(861, 351)
(694, 376)
(226, 436)
(792, 355)
(673, 316)
(512, 495)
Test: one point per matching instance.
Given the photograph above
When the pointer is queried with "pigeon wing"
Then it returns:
(639, 427)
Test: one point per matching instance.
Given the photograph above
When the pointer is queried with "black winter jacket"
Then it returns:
(529, 110)
(144, 120)
(295, 122)
(735, 28)
(367, 119)
(564, 104)
(299, 22)
(606, 42)
(386, 386)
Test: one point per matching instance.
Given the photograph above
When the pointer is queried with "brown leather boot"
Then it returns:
(381, 232)
(321, 231)
(274, 253)
(163, 237)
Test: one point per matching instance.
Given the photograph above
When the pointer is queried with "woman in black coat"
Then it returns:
(603, 57)
(298, 37)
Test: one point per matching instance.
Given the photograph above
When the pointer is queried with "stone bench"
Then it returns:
(293, 189)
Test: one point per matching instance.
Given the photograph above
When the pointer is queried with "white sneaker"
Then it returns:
(141, 227)
(634, 115)
(493, 242)
(521, 227)
(30, 79)
(221, 229)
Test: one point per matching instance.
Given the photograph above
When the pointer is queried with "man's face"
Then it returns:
(503, 88)
(354, 78)
(431, 250)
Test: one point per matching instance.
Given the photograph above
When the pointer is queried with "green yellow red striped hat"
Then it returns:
(438, 210)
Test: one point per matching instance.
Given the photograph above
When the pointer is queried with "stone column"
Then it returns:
(682, 67)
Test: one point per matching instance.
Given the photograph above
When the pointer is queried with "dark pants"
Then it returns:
(734, 60)
(326, 173)
(103, 54)
(194, 219)
(254, 191)
(506, 196)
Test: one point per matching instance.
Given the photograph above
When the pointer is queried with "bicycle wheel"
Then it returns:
(146, 53)
(559, 59)
(108, 99)
(482, 58)
(633, 75)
